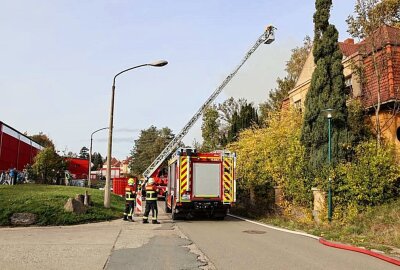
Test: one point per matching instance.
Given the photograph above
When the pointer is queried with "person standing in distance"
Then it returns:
(151, 202)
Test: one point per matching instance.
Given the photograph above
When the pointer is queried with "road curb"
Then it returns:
(360, 250)
(326, 242)
(276, 228)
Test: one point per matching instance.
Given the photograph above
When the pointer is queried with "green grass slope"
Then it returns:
(47, 202)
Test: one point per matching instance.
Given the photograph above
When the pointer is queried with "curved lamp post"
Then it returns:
(90, 154)
(107, 192)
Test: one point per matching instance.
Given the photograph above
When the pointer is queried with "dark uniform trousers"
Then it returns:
(151, 204)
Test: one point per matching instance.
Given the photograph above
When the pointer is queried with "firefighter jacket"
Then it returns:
(130, 193)
(151, 192)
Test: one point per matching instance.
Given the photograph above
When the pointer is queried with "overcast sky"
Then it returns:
(58, 58)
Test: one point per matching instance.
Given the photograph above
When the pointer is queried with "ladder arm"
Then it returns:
(267, 37)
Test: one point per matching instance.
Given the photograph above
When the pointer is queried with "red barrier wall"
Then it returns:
(119, 185)
(16, 149)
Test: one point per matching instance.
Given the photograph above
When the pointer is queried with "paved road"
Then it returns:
(105, 245)
(234, 244)
(206, 244)
(164, 247)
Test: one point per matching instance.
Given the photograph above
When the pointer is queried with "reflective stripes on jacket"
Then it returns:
(130, 193)
(151, 193)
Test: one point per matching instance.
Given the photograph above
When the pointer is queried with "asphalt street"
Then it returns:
(236, 244)
(183, 244)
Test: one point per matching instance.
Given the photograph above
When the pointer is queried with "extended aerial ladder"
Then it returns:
(267, 37)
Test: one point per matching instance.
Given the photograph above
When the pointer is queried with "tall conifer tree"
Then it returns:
(326, 91)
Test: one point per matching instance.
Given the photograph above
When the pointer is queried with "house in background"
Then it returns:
(125, 170)
(118, 169)
(115, 168)
(386, 41)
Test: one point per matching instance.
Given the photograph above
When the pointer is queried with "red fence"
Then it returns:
(119, 185)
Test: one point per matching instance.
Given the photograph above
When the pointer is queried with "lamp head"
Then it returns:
(159, 63)
(329, 113)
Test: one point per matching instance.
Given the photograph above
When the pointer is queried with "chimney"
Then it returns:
(349, 41)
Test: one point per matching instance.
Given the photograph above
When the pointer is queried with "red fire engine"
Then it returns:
(200, 183)
(160, 177)
(183, 199)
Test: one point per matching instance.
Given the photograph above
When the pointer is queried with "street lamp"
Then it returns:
(329, 113)
(107, 192)
(90, 153)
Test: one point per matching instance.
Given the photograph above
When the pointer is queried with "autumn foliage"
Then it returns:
(273, 156)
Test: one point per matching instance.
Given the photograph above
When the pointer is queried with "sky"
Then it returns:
(58, 59)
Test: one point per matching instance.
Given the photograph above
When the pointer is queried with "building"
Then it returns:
(16, 149)
(115, 168)
(386, 41)
(125, 170)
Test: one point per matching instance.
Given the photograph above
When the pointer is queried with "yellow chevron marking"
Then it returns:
(228, 180)
(183, 174)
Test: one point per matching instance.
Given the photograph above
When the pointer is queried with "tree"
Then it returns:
(273, 155)
(147, 147)
(326, 92)
(370, 16)
(43, 140)
(97, 161)
(223, 122)
(49, 166)
(84, 153)
(210, 129)
(227, 108)
(246, 117)
(293, 69)
(70, 154)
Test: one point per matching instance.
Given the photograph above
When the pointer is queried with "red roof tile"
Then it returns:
(348, 48)
(383, 36)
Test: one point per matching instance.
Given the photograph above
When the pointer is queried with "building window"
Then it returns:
(348, 87)
(297, 105)
(398, 133)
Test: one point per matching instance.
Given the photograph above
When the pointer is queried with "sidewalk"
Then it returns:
(87, 246)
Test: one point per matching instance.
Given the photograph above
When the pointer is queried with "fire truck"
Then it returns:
(200, 183)
(267, 37)
(160, 177)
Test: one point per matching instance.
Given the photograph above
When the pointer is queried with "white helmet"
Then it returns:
(151, 181)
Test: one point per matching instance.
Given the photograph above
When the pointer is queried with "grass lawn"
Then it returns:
(378, 228)
(47, 202)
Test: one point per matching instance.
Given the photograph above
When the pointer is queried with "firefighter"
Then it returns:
(130, 196)
(151, 202)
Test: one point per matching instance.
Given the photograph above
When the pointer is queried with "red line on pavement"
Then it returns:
(357, 249)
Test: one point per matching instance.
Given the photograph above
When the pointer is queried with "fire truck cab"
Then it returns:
(200, 183)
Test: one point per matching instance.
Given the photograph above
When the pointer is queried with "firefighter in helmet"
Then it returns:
(130, 196)
(151, 202)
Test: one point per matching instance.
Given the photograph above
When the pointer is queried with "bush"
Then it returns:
(273, 156)
(369, 180)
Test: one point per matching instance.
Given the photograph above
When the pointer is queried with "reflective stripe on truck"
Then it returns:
(228, 176)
